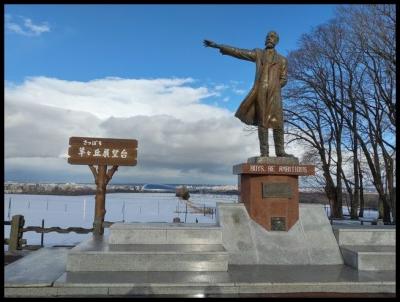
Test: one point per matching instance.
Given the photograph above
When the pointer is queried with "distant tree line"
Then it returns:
(340, 104)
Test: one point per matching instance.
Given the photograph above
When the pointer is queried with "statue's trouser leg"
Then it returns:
(279, 144)
(263, 137)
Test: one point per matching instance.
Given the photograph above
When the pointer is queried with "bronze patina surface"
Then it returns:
(262, 106)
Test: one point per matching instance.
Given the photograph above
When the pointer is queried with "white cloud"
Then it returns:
(120, 97)
(180, 139)
(239, 91)
(221, 87)
(36, 29)
(33, 130)
(25, 26)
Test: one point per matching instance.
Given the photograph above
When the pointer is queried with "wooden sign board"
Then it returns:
(102, 151)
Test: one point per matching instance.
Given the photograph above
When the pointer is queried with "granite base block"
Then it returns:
(309, 242)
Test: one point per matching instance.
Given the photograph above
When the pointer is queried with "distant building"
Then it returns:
(158, 188)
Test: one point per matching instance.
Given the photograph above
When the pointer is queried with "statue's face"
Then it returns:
(271, 40)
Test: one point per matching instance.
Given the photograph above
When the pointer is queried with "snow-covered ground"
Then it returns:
(78, 211)
(368, 214)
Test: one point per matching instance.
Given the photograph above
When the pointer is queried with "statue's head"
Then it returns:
(271, 39)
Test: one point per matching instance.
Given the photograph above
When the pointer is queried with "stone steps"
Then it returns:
(165, 233)
(365, 235)
(367, 248)
(370, 257)
(153, 258)
(152, 247)
(42, 274)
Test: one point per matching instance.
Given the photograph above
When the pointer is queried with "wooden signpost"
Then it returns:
(102, 152)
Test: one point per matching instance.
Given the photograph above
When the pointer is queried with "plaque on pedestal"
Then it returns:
(269, 189)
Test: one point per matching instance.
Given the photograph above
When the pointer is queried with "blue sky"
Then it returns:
(87, 42)
(114, 63)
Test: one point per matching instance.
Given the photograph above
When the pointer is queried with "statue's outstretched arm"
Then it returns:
(243, 54)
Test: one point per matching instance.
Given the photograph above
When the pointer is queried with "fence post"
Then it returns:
(17, 224)
(42, 235)
(186, 212)
(123, 212)
(9, 208)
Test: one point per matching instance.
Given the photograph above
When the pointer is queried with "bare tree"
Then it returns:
(311, 112)
(342, 99)
(371, 35)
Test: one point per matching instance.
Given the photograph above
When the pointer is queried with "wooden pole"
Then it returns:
(100, 209)
(102, 177)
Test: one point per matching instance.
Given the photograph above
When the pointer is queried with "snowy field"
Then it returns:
(78, 211)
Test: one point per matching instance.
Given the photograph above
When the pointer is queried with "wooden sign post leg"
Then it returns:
(99, 209)
(102, 177)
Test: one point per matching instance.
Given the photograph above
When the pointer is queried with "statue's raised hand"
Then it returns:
(209, 43)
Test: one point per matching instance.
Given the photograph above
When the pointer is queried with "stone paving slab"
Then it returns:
(31, 292)
(317, 274)
(237, 275)
(370, 257)
(124, 279)
(343, 287)
(193, 291)
(240, 279)
(38, 269)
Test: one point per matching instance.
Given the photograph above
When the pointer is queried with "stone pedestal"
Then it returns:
(269, 189)
(309, 242)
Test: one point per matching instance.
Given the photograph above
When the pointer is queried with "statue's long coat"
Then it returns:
(263, 105)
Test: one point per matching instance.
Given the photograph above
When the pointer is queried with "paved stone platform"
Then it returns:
(42, 274)
(37, 269)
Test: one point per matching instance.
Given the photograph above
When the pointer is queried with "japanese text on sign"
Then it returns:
(115, 153)
(102, 151)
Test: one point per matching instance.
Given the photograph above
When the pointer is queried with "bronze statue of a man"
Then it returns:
(262, 106)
